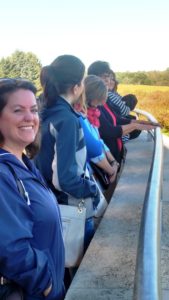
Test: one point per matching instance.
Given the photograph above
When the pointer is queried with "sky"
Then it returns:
(132, 35)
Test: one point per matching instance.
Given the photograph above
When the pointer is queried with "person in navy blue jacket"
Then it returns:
(31, 243)
(62, 158)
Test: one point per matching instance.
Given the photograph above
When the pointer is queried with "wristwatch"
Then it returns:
(114, 162)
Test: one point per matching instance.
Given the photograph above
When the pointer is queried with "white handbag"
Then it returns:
(73, 222)
(102, 205)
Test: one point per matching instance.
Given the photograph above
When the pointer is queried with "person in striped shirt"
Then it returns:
(119, 105)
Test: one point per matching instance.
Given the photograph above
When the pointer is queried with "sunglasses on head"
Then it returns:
(10, 84)
(7, 80)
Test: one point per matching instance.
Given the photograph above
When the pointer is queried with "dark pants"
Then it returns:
(130, 100)
(134, 134)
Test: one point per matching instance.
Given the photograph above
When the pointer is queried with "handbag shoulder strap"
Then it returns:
(19, 183)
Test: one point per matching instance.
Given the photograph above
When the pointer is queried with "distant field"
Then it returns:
(153, 99)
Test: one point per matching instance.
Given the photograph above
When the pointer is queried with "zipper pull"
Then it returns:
(25, 193)
(27, 198)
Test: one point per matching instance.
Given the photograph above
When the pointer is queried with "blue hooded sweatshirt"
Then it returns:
(31, 242)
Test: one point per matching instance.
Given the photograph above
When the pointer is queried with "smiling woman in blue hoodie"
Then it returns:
(31, 242)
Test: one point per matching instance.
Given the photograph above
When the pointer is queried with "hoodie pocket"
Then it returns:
(52, 271)
(56, 292)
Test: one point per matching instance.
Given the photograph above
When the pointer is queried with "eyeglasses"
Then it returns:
(105, 76)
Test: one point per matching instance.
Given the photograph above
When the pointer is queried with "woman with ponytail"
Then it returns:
(62, 156)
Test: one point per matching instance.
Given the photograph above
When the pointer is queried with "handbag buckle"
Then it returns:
(81, 206)
(3, 280)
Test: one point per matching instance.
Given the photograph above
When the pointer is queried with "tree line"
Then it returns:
(155, 78)
(27, 65)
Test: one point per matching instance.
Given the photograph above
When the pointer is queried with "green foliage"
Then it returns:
(155, 78)
(21, 64)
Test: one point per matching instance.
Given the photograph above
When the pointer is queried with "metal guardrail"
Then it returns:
(147, 284)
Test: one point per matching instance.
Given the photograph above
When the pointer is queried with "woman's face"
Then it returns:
(112, 83)
(19, 121)
(98, 102)
(106, 78)
(78, 90)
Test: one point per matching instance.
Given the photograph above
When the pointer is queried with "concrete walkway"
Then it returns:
(107, 269)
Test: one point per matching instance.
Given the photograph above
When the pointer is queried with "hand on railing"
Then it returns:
(145, 125)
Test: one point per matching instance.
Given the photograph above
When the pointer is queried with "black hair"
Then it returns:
(60, 76)
(98, 68)
(130, 100)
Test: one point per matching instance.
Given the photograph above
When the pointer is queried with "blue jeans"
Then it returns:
(89, 232)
